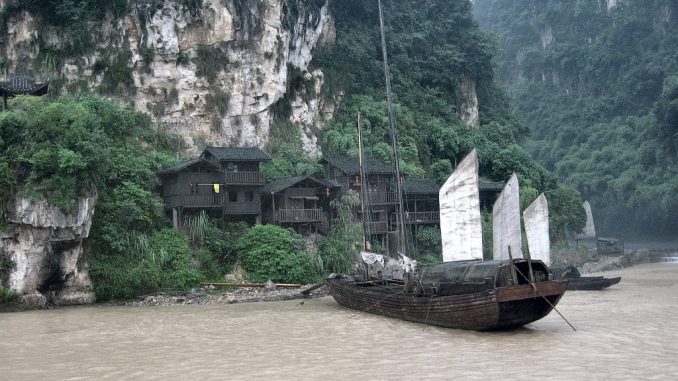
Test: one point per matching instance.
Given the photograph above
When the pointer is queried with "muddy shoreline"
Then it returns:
(207, 295)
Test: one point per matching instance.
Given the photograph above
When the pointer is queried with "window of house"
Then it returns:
(249, 196)
(233, 196)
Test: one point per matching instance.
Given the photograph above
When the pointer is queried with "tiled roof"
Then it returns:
(185, 164)
(489, 185)
(286, 182)
(237, 153)
(349, 165)
(21, 84)
(420, 186)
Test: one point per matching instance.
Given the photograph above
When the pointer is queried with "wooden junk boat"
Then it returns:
(489, 295)
(464, 291)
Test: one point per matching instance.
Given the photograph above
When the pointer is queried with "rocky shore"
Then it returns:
(211, 295)
(589, 262)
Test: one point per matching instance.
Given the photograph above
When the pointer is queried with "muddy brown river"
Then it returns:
(626, 332)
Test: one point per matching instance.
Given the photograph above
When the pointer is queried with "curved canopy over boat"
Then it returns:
(458, 277)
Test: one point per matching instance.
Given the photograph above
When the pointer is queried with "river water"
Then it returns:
(628, 331)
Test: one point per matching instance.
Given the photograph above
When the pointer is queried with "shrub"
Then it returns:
(271, 252)
(429, 245)
(162, 261)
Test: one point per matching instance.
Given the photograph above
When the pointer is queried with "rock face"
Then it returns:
(214, 71)
(45, 244)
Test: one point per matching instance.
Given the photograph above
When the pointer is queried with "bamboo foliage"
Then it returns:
(196, 227)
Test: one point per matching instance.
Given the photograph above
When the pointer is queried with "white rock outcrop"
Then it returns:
(212, 72)
(45, 244)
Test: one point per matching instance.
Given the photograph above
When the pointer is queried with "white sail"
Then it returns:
(506, 222)
(536, 217)
(589, 229)
(460, 212)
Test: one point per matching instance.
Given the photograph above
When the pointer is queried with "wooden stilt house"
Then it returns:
(380, 194)
(224, 181)
(301, 202)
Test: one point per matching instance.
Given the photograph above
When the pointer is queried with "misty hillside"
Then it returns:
(597, 83)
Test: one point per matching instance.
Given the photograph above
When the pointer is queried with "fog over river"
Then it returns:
(626, 332)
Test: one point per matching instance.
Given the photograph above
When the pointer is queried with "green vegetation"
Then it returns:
(68, 148)
(599, 89)
(6, 265)
(288, 162)
(269, 252)
(432, 49)
(429, 245)
(339, 250)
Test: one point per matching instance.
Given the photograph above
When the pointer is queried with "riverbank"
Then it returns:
(588, 261)
(211, 295)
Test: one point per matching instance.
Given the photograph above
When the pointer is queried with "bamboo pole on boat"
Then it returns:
(513, 265)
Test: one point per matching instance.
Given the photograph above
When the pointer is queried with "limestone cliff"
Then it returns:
(45, 245)
(213, 71)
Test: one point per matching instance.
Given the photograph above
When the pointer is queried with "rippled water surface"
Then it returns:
(626, 332)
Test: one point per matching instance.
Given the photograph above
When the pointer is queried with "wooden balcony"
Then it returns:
(298, 215)
(378, 227)
(216, 200)
(381, 198)
(419, 218)
(244, 178)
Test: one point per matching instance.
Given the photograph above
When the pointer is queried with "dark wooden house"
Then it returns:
(489, 191)
(380, 195)
(301, 202)
(224, 181)
(420, 198)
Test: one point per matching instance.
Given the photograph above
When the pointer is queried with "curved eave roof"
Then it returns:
(237, 153)
(186, 164)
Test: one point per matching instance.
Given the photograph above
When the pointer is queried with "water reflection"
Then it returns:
(625, 332)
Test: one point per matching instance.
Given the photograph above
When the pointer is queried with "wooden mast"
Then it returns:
(362, 183)
(394, 137)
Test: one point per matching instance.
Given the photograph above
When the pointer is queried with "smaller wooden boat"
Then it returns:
(578, 282)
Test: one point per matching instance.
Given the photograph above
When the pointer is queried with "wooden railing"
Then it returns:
(298, 215)
(375, 198)
(195, 200)
(216, 200)
(244, 178)
(379, 227)
(419, 217)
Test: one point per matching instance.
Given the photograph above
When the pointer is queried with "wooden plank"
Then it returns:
(225, 284)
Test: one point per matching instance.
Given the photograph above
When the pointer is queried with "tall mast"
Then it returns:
(362, 183)
(394, 137)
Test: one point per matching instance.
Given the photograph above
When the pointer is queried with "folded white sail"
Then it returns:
(506, 222)
(460, 212)
(589, 229)
(536, 218)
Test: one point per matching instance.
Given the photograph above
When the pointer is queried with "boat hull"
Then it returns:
(591, 283)
(490, 309)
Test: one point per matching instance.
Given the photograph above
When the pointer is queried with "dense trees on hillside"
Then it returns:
(599, 89)
(432, 46)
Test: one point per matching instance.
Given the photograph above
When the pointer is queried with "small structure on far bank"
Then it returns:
(20, 84)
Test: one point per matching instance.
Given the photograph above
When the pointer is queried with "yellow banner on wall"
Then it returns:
(216, 188)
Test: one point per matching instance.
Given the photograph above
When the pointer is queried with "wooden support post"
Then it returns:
(175, 219)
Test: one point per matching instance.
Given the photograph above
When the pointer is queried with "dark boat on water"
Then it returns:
(578, 282)
(489, 295)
